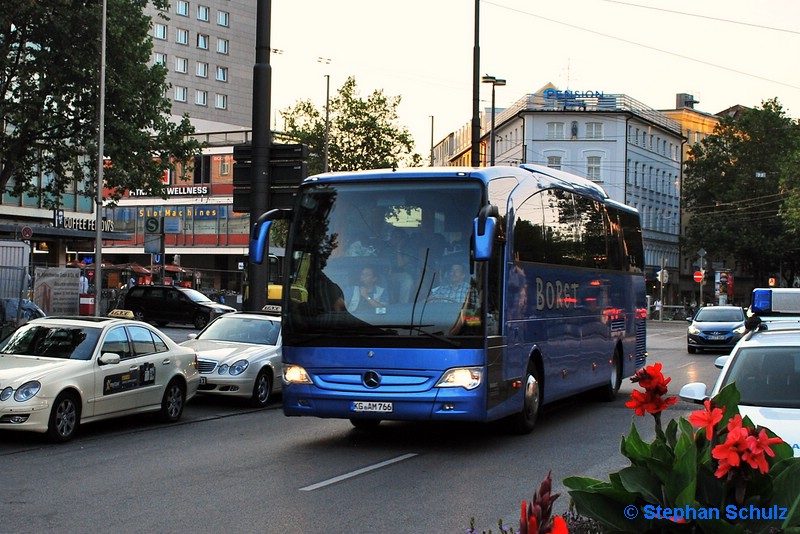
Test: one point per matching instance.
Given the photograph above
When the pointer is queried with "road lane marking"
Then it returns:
(357, 472)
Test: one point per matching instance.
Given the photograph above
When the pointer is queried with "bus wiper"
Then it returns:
(419, 330)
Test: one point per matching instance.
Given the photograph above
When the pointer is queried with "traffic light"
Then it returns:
(287, 168)
(242, 176)
(662, 276)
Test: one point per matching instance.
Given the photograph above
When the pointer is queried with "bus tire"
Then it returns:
(608, 392)
(524, 421)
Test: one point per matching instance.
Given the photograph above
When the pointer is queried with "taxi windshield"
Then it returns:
(66, 342)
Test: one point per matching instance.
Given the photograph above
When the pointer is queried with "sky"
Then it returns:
(724, 52)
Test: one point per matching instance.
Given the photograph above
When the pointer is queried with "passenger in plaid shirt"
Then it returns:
(458, 285)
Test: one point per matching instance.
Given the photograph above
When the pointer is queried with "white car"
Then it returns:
(57, 373)
(765, 365)
(239, 355)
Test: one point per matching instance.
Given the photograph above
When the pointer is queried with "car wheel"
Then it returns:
(138, 315)
(524, 421)
(691, 350)
(262, 389)
(365, 424)
(173, 401)
(65, 417)
(200, 321)
(609, 391)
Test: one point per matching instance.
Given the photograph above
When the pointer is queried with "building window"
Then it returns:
(222, 46)
(554, 162)
(159, 59)
(223, 18)
(182, 36)
(555, 130)
(594, 130)
(593, 168)
(160, 31)
(221, 101)
(203, 13)
(202, 69)
(222, 74)
(181, 65)
(182, 8)
(225, 164)
(180, 93)
(202, 41)
(201, 98)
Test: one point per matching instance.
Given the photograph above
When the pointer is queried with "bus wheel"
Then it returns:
(524, 421)
(608, 392)
(365, 424)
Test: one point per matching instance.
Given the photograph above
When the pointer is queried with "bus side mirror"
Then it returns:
(485, 230)
(259, 237)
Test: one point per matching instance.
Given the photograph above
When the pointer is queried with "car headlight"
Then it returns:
(27, 391)
(294, 374)
(461, 377)
(223, 368)
(238, 367)
(694, 330)
(740, 330)
(6, 393)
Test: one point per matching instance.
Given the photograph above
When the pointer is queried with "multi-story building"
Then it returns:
(633, 151)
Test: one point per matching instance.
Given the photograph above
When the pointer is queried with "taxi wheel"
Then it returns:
(173, 402)
(64, 418)
(262, 389)
(200, 321)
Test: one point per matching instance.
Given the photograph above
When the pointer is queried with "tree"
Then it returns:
(738, 186)
(49, 60)
(363, 133)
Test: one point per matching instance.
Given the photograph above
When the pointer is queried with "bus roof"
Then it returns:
(546, 176)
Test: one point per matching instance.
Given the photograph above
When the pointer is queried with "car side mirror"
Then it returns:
(695, 392)
(109, 358)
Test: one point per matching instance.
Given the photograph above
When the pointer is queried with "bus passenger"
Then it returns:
(367, 295)
(457, 287)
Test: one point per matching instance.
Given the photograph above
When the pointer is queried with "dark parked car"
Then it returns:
(172, 304)
(715, 327)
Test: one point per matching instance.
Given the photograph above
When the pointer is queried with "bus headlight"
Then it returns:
(294, 374)
(461, 377)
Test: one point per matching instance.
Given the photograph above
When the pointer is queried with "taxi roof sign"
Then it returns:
(776, 301)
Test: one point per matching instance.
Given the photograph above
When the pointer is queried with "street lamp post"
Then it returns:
(495, 82)
(326, 61)
(98, 221)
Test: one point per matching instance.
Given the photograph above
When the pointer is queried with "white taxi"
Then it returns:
(57, 373)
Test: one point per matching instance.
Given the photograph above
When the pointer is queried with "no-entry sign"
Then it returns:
(698, 276)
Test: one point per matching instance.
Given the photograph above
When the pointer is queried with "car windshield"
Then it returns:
(195, 296)
(243, 329)
(720, 315)
(767, 376)
(67, 342)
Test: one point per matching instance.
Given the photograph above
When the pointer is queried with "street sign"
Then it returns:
(152, 225)
(27, 232)
(698, 276)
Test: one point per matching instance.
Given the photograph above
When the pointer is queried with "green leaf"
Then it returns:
(681, 485)
(642, 481)
(634, 448)
(608, 510)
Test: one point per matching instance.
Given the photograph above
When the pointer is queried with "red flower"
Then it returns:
(651, 379)
(707, 418)
(650, 402)
(757, 447)
(559, 526)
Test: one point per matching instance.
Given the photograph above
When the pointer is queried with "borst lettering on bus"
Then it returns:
(555, 295)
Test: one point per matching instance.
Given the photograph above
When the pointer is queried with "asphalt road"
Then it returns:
(226, 467)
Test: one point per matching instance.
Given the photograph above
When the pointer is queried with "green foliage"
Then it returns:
(741, 189)
(677, 470)
(363, 134)
(49, 72)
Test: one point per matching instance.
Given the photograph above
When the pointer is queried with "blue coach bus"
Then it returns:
(456, 294)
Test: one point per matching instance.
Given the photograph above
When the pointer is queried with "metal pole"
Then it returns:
(98, 244)
(491, 137)
(475, 156)
(262, 139)
(327, 121)
(431, 141)
(661, 294)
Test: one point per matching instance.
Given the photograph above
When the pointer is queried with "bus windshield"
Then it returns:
(385, 259)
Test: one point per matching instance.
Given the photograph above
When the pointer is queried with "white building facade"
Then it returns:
(634, 152)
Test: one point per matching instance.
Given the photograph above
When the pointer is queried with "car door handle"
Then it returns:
(165, 361)
(134, 368)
